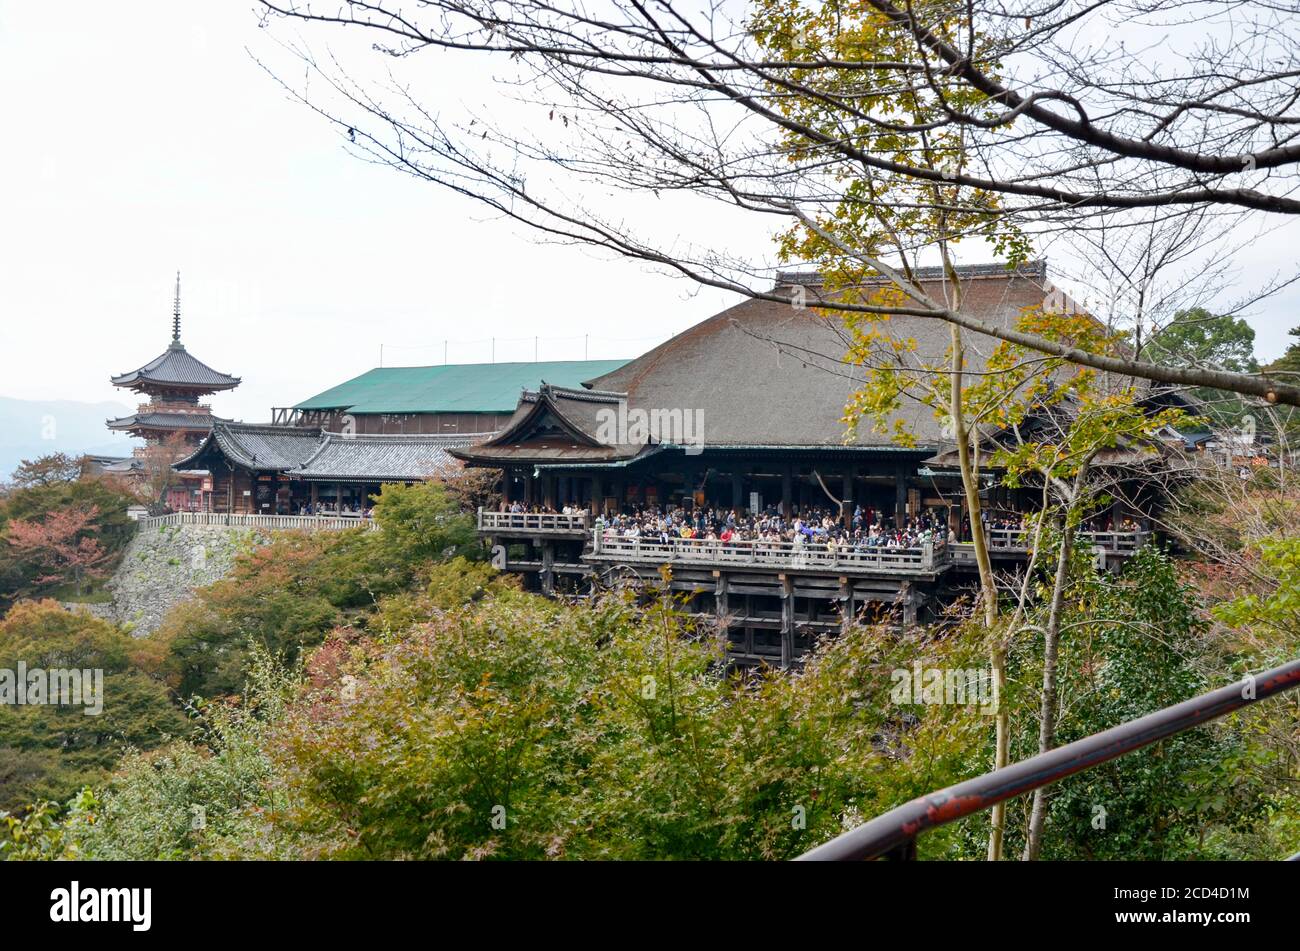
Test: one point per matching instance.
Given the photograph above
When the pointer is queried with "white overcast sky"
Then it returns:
(142, 138)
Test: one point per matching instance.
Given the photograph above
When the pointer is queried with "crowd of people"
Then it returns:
(806, 526)
(347, 511)
(868, 527)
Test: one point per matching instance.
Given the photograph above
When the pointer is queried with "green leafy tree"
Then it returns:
(46, 470)
(513, 726)
(1289, 362)
(1199, 338)
(49, 751)
(288, 595)
(1134, 648)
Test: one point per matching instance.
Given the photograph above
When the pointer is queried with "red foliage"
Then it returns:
(60, 546)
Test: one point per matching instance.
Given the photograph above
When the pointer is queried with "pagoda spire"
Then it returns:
(176, 312)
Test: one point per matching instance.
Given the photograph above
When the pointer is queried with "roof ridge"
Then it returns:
(398, 437)
(1030, 269)
(497, 363)
(584, 394)
(268, 428)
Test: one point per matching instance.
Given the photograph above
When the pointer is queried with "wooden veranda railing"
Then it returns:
(489, 521)
(928, 557)
(309, 523)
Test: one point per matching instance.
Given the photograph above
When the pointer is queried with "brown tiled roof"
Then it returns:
(765, 373)
(179, 421)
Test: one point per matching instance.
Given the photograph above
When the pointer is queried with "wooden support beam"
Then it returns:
(846, 498)
(787, 623)
(787, 477)
(547, 575)
(721, 601)
(908, 593)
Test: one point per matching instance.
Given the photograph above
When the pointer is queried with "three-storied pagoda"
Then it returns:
(173, 418)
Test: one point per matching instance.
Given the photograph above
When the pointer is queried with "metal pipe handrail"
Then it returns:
(897, 829)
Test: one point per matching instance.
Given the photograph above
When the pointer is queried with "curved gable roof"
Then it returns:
(578, 415)
(264, 448)
(383, 458)
(176, 367)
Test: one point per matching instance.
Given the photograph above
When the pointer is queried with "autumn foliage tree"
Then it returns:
(46, 470)
(61, 546)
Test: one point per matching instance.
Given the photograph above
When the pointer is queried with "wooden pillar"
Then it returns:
(338, 498)
(737, 489)
(787, 476)
(548, 568)
(900, 498)
(846, 498)
(721, 601)
(597, 495)
(846, 605)
(787, 623)
(313, 498)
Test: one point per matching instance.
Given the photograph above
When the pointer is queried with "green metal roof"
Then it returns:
(454, 388)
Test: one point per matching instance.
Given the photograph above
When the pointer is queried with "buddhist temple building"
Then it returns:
(744, 413)
(330, 454)
(261, 469)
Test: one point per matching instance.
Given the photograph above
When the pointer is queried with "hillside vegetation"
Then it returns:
(389, 695)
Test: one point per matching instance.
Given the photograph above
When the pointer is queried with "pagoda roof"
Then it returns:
(176, 367)
(161, 420)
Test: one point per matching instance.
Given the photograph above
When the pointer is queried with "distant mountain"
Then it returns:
(31, 428)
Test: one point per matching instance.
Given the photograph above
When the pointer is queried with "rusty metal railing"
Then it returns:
(894, 833)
